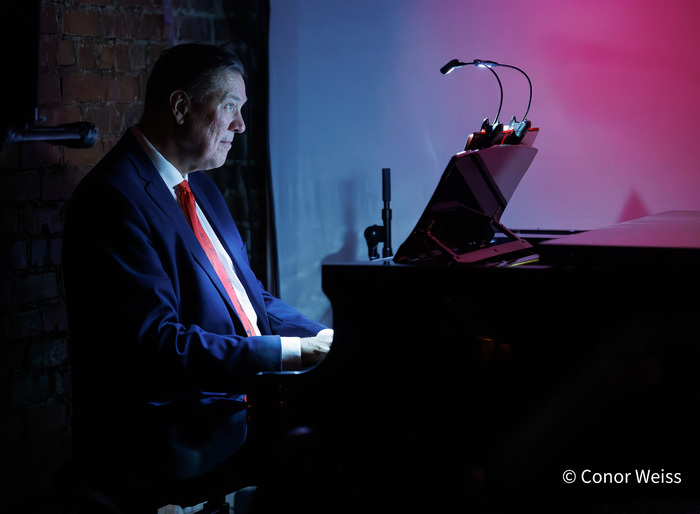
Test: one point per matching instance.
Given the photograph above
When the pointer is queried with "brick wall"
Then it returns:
(94, 59)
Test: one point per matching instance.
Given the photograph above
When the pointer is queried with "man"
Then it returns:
(167, 320)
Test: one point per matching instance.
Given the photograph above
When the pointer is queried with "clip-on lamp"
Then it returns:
(464, 212)
(496, 133)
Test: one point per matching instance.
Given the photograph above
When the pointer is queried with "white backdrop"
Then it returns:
(356, 87)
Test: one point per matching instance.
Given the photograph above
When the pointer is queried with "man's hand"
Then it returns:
(313, 349)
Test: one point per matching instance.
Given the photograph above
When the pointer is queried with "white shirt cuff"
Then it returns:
(291, 350)
(291, 353)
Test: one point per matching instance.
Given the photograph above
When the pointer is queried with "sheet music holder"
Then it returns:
(463, 215)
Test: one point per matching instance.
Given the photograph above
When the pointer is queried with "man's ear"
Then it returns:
(179, 105)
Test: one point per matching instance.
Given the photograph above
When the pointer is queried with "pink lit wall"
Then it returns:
(356, 87)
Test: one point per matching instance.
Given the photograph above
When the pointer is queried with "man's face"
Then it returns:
(210, 128)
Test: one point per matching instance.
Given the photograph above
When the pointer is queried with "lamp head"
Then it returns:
(454, 63)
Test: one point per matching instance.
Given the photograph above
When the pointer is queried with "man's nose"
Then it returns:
(238, 125)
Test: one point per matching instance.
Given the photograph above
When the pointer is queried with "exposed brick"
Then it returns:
(156, 50)
(84, 156)
(31, 390)
(132, 114)
(55, 318)
(37, 287)
(196, 28)
(86, 57)
(179, 5)
(208, 7)
(52, 116)
(107, 144)
(55, 257)
(38, 253)
(138, 57)
(150, 26)
(48, 89)
(47, 354)
(139, 3)
(116, 24)
(62, 382)
(82, 87)
(105, 60)
(169, 30)
(106, 117)
(45, 420)
(59, 183)
(25, 324)
(81, 23)
(48, 19)
(50, 450)
(107, 57)
(39, 155)
(42, 219)
(48, 53)
(120, 88)
(65, 52)
(121, 58)
(18, 256)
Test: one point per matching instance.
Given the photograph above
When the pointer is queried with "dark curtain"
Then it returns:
(246, 181)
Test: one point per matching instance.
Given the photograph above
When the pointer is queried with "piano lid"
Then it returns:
(663, 238)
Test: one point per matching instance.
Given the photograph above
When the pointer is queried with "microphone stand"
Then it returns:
(386, 212)
(376, 234)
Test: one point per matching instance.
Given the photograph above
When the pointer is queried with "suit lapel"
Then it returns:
(160, 194)
(153, 183)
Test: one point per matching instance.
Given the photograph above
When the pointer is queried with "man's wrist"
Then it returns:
(291, 353)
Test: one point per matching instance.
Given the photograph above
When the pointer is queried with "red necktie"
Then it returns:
(186, 199)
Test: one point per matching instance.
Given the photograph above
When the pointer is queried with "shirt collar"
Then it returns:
(170, 174)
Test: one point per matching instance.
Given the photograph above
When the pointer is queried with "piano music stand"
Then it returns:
(463, 214)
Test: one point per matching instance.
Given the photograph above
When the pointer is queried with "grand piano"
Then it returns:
(564, 379)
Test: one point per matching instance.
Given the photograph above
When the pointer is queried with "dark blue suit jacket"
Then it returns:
(155, 341)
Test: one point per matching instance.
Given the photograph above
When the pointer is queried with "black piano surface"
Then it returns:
(476, 388)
